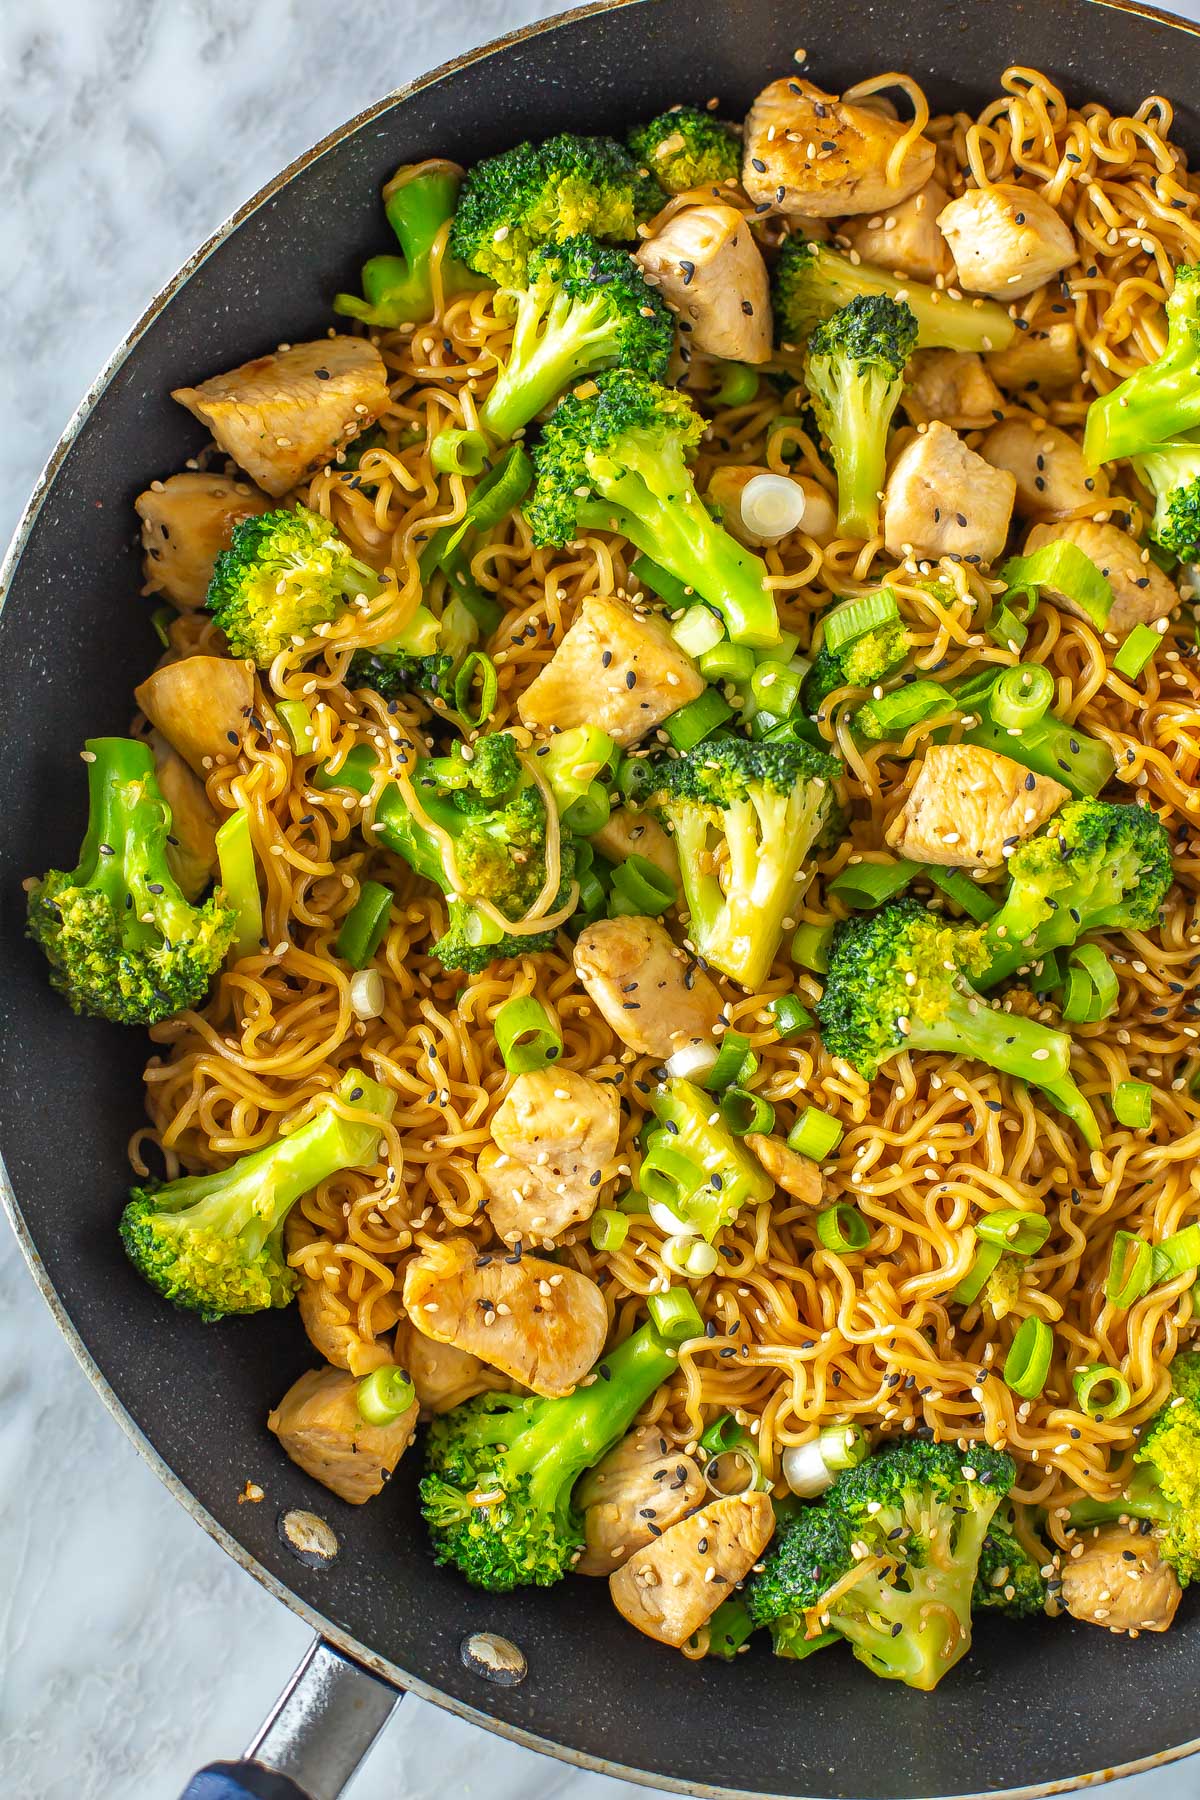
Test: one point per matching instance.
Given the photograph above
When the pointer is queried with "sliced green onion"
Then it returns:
(647, 573)
(364, 925)
(667, 1176)
(697, 720)
(794, 729)
(1132, 1102)
(1047, 974)
(298, 723)
(457, 452)
(675, 1315)
(967, 894)
(893, 714)
(1130, 1270)
(1091, 989)
(384, 1395)
(745, 1112)
(636, 778)
(864, 885)
(811, 945)
(526, 1037)
(737, 384)
(640, 888)
(1021, 695)
(575, 758)
(772, 505)
(1063, 566)
(689, 1256)
(727, 662)
(161, 619)
(476, 667)
(843, 1446)
(238, 873)
(1004, 628)
(731, 1063)
(854, 618)
(1091, 1380)
(1136, 651)
(1176, 1255)
(592, 902)
(609, 1229)
(1020, 1233)
(723, 1435)
(791, 1018)
(843, 1228)
(699, 630)
(987, 1256)
(492, 499)
(590, 812)
(1027, 1364)
(776, 685)
(816, 1134)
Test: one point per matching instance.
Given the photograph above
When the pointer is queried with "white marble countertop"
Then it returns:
(132, 1651)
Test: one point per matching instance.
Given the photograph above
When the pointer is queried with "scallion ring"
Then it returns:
(675, 1315)
(1021, 695)
(843, 1228)
(1130, 1270)
(384, 1395)
(527, 1038)
(1020, 1233)
(1027, 1365)
(1089, 1384)
(744, 1112)
(476, 667)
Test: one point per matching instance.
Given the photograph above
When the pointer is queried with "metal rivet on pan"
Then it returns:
(493, 1658)
(310, 1539)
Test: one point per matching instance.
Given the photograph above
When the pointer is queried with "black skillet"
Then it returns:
(1033, 1709)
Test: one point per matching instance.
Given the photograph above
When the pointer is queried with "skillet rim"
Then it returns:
(325, 1628)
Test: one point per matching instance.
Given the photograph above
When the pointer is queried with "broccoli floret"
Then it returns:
(214, 1243)
(1009, 1579)
(284, 573)
(419, 201)
(1099, 867)
(811, 281)
(855, 373)
(1162, 400)
(860, 663)
(616, 460)
(900, 979)
(586, 307)
(695, 1167)
(122, 939)
(526, 1455)
(686, 148)
(903, 1532)
(544, 193)
(1172, 473)
(752, 811)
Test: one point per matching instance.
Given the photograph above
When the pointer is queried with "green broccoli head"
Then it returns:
(122, 940)
(860, 663)
(1162, 400)
(1009, 1578)
(855, 373)
(543, 193)
(585, 308)
(398, 290)
(746, 816)
(686, 148)
(1172, 473)
(1169, 1453)
(214, 1243)
(812, 281)
(285, 573)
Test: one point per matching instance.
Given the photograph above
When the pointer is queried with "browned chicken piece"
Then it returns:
(543, 1325)
(626, 833)
(653, 995)
(808, 152)
(674, 1584)
(953, 386)
(319, 1425)
(192, 849)
(709, 270)
(906, 239)
(1046, 357)
(943, 500)
(615, 668)
(443, 1375)
(553, 1134)
(1120, 1582)
(641, 1483)
(282, 416)
(1006, 240)
(186, 520)
(330, 1328)
(797, 1175)
(200, 705)
(1052, 477)
(970, 807)
(724, 491)
(1141, 591)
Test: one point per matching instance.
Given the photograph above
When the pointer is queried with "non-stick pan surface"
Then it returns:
(1031, 1706)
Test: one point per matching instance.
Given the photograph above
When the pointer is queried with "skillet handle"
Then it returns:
(323, 1727)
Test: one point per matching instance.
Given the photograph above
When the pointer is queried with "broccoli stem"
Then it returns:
(1153, 405)
(1142, 1499)
(1051, 748)
(859, 444)
(1012, 1044)
(574, 336)
(119, 856)
(573, 1433)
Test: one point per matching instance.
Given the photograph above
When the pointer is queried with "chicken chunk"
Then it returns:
(1045, 357)
(200, 705)
(906, 239)
(319, 1425)
(943, 500)
(808, 152)
(282, 416)
(543, 1325)
(1142, 593)
(1051, 475)
(192, 846)
(443, 1375)
(969, 807)
(1006, 240)
(653, 996)
(724, 491)
(674, 1584)
(797, 1175)
(553, 1134)
(710, 272)
(186, 520)
(626, 833)
(329, 1323)
(641, 1483)
(1121, 1582)
(615, 668)
(953, 386)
